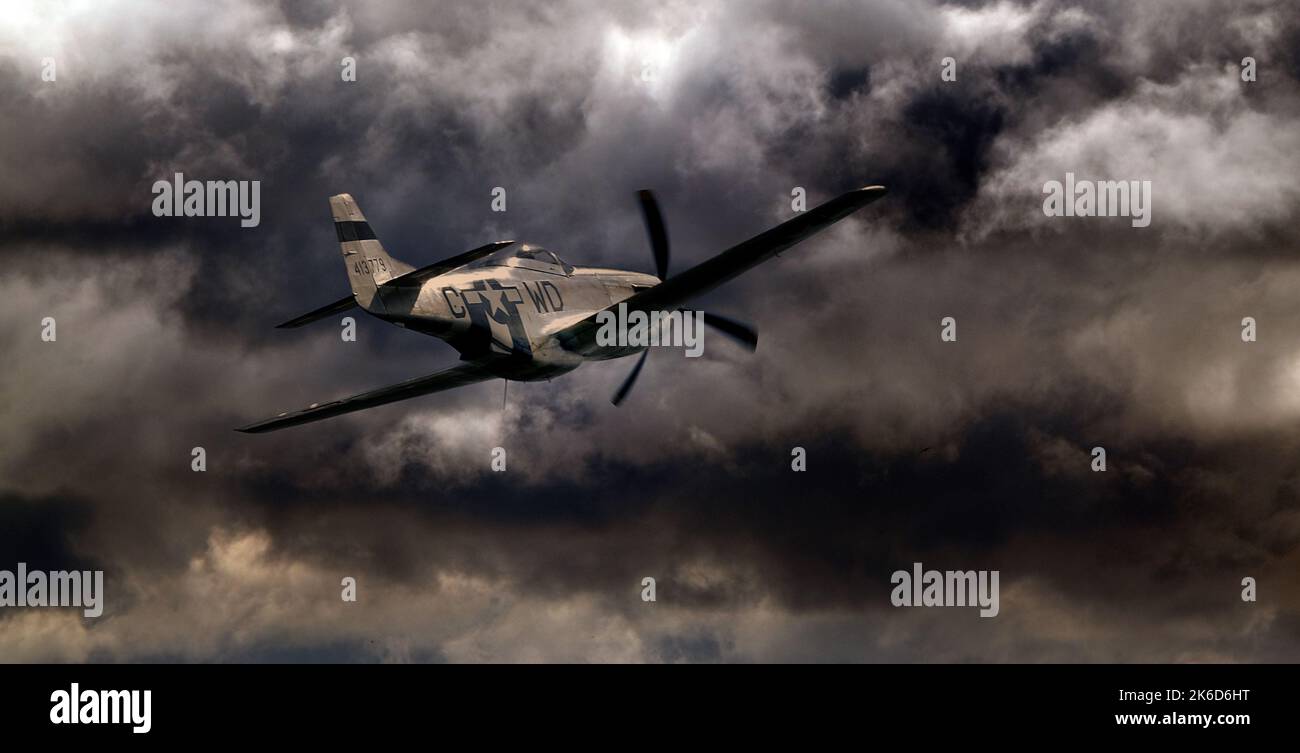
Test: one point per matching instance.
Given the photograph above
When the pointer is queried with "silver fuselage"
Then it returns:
(513, 309)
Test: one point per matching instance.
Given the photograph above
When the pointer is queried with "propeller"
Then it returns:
(738, 331)
(626, 387)
(654, 225)
(658, 232)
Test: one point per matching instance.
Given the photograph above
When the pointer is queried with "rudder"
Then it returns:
(367, 263)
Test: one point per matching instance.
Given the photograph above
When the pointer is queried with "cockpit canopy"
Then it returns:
(526, 256)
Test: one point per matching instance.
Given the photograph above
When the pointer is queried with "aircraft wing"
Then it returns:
(674, 291)
(457, 376)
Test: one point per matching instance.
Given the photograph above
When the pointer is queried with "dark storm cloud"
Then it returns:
(40, 532)
(972, 454)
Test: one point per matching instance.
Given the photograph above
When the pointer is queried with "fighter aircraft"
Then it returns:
(516, 311)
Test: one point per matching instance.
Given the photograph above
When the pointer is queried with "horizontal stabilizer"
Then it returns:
(416, 278)
(339, 306)
(412, 279)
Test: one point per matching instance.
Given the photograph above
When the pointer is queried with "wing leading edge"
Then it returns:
(709, 274)
(457, 376)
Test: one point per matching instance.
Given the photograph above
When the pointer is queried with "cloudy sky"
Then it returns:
(975, 454)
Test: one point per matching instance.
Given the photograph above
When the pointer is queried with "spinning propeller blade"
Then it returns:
(658, 232)
(738, 331)
(631, 379)
(654, 225)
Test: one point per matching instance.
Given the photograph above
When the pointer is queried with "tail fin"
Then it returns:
(368, 264)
